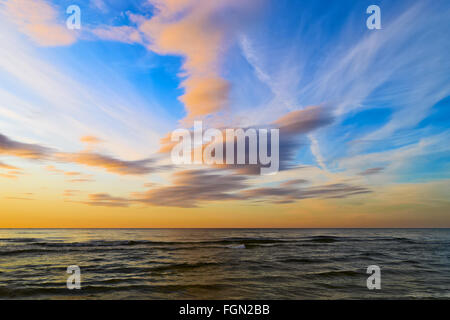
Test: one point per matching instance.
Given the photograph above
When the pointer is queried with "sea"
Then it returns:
(292, 264)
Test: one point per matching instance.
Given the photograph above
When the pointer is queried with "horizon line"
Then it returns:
(221, 228)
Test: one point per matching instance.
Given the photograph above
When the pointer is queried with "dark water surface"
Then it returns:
(224, 263)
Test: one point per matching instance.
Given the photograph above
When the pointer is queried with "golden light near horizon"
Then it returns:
(89, 103)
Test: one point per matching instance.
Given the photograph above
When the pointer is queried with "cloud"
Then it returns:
(291, 127)
(92, 159)
(166, 143)
(70, 192)
(287, 193)
(72, 173)
(197, 31)
(39, 21)
(11, 174)
(8, 176)
(293, 182)
(315, 150)
(81, 180)
(296, 123)
(52, 168)
(18, 198)
(370, 69)
(110, 164)
(80, 177)
(200, 32)
(336, 190)
(90, 139)
(193, 186)
(371, 171)
(99, 4)
(7, 166)
(23, 150)
(395, 161)
(304, 120)
(98, 101)
(124, 34)
(104, 199)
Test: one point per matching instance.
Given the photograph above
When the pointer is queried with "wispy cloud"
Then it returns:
(398, 67)
(125, 34)
(200, 33)
(311, 74)
(87, 158)
(90, 139)
(371, 171)
(292, 126)
(23, 150)
(291, 193)
(103, 199)
(99, 4)
(54, 103)
(7, 166)
(8, 176)
(190, 187)
(108, 163)
(39, 21)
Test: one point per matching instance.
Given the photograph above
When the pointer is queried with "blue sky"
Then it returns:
(139, 69)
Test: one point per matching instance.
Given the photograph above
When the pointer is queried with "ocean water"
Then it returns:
(225, 263)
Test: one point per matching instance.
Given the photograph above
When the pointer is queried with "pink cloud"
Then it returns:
(39, 21)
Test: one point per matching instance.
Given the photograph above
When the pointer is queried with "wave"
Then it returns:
(20, 240)
(299, 260)
(131, 243)
(325, 239)
(184, 266)
(23, 251)
(89, 289)
(152, 267)
(99, 243)
(32, 245)
(339, 273)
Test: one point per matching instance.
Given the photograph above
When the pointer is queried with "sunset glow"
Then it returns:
(86, 114)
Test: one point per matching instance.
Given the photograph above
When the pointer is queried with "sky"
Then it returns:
(86, 114)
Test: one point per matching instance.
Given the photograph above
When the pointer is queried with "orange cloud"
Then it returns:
(90, 139)
(191, 187)
(166, 143)
(104, 199)
(39, 21)
(291, 125)
(88, 158)
(70, 192)
(81, 180)
(53, 169)
(8, 176)
(198, 31)
(72, 173)
(7, 166)
(108, 163)
(23, 150)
